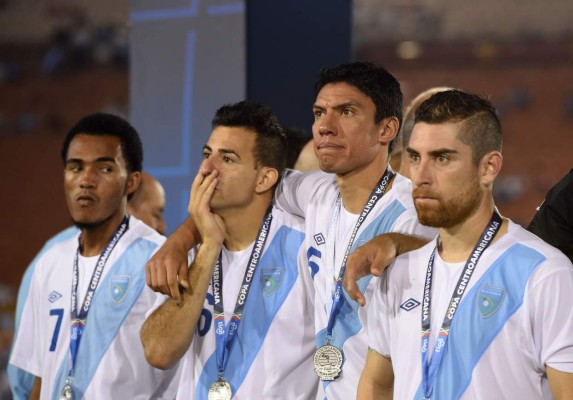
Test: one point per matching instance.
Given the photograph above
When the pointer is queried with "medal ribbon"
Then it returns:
(225, 338)
(376, 195)
(79, 318)
(429, 369)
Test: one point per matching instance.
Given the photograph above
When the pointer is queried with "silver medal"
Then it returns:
(328, 362)
(220, 390)
(67, 392)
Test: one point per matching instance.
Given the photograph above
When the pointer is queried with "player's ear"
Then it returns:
(490, 166)
(267, 177)
(388, 129)
(133, 182)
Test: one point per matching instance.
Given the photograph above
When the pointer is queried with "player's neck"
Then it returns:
(94, 239)
(242, 226)
(357, 185)
(458, 242)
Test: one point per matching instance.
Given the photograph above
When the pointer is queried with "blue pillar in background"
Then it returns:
(189, 57)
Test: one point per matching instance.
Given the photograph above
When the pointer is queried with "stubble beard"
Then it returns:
(91, 225)
(454, 211)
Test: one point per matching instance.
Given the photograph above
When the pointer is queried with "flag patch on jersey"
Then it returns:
(409, 304)
(119, 285)
(54, 296)
(319, 239)
(489, 300)
(271, 279)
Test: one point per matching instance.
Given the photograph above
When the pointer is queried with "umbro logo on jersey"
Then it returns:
(54, 296)
(409, 305)
(319, 239)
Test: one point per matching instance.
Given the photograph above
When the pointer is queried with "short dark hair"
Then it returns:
(100, 124)
(481, 129)
(270, 143)
(372, 80)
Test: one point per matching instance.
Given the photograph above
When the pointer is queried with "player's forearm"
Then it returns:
(377, 379)
(405, 243)
(168, 332)
(561, 383)
(186, 235)
(370, 389)
(36, 389)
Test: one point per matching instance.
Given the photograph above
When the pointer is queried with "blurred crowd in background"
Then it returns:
(65, 60)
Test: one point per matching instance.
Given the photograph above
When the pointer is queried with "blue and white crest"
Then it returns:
(119, 285)
(489, 299)
(271, 279)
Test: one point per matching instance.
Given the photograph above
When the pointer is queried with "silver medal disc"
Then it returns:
(67, 393)
(220, 390)
(328, 362)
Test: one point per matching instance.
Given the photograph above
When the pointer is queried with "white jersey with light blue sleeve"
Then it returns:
(513, 320)
(313, 196)
(110, 361)
(21, 382)
(272, 356)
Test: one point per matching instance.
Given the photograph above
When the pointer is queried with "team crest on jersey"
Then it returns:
(54, 296)
(489, 300)
(409, 304)
(319, 239)
(271, 279)
(119, 285)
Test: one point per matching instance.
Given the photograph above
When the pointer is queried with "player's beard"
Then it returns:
(451, 212)
(92, 225)
(96, 224)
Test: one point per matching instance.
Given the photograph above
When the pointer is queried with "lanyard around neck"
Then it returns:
(430, 368)
(225, 337)
(376, 195)
(79, 317)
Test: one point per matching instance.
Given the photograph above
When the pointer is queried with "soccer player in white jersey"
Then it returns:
(245, 327)
(357, 112)
(484, 310)
(146, 204)
(95, 353)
